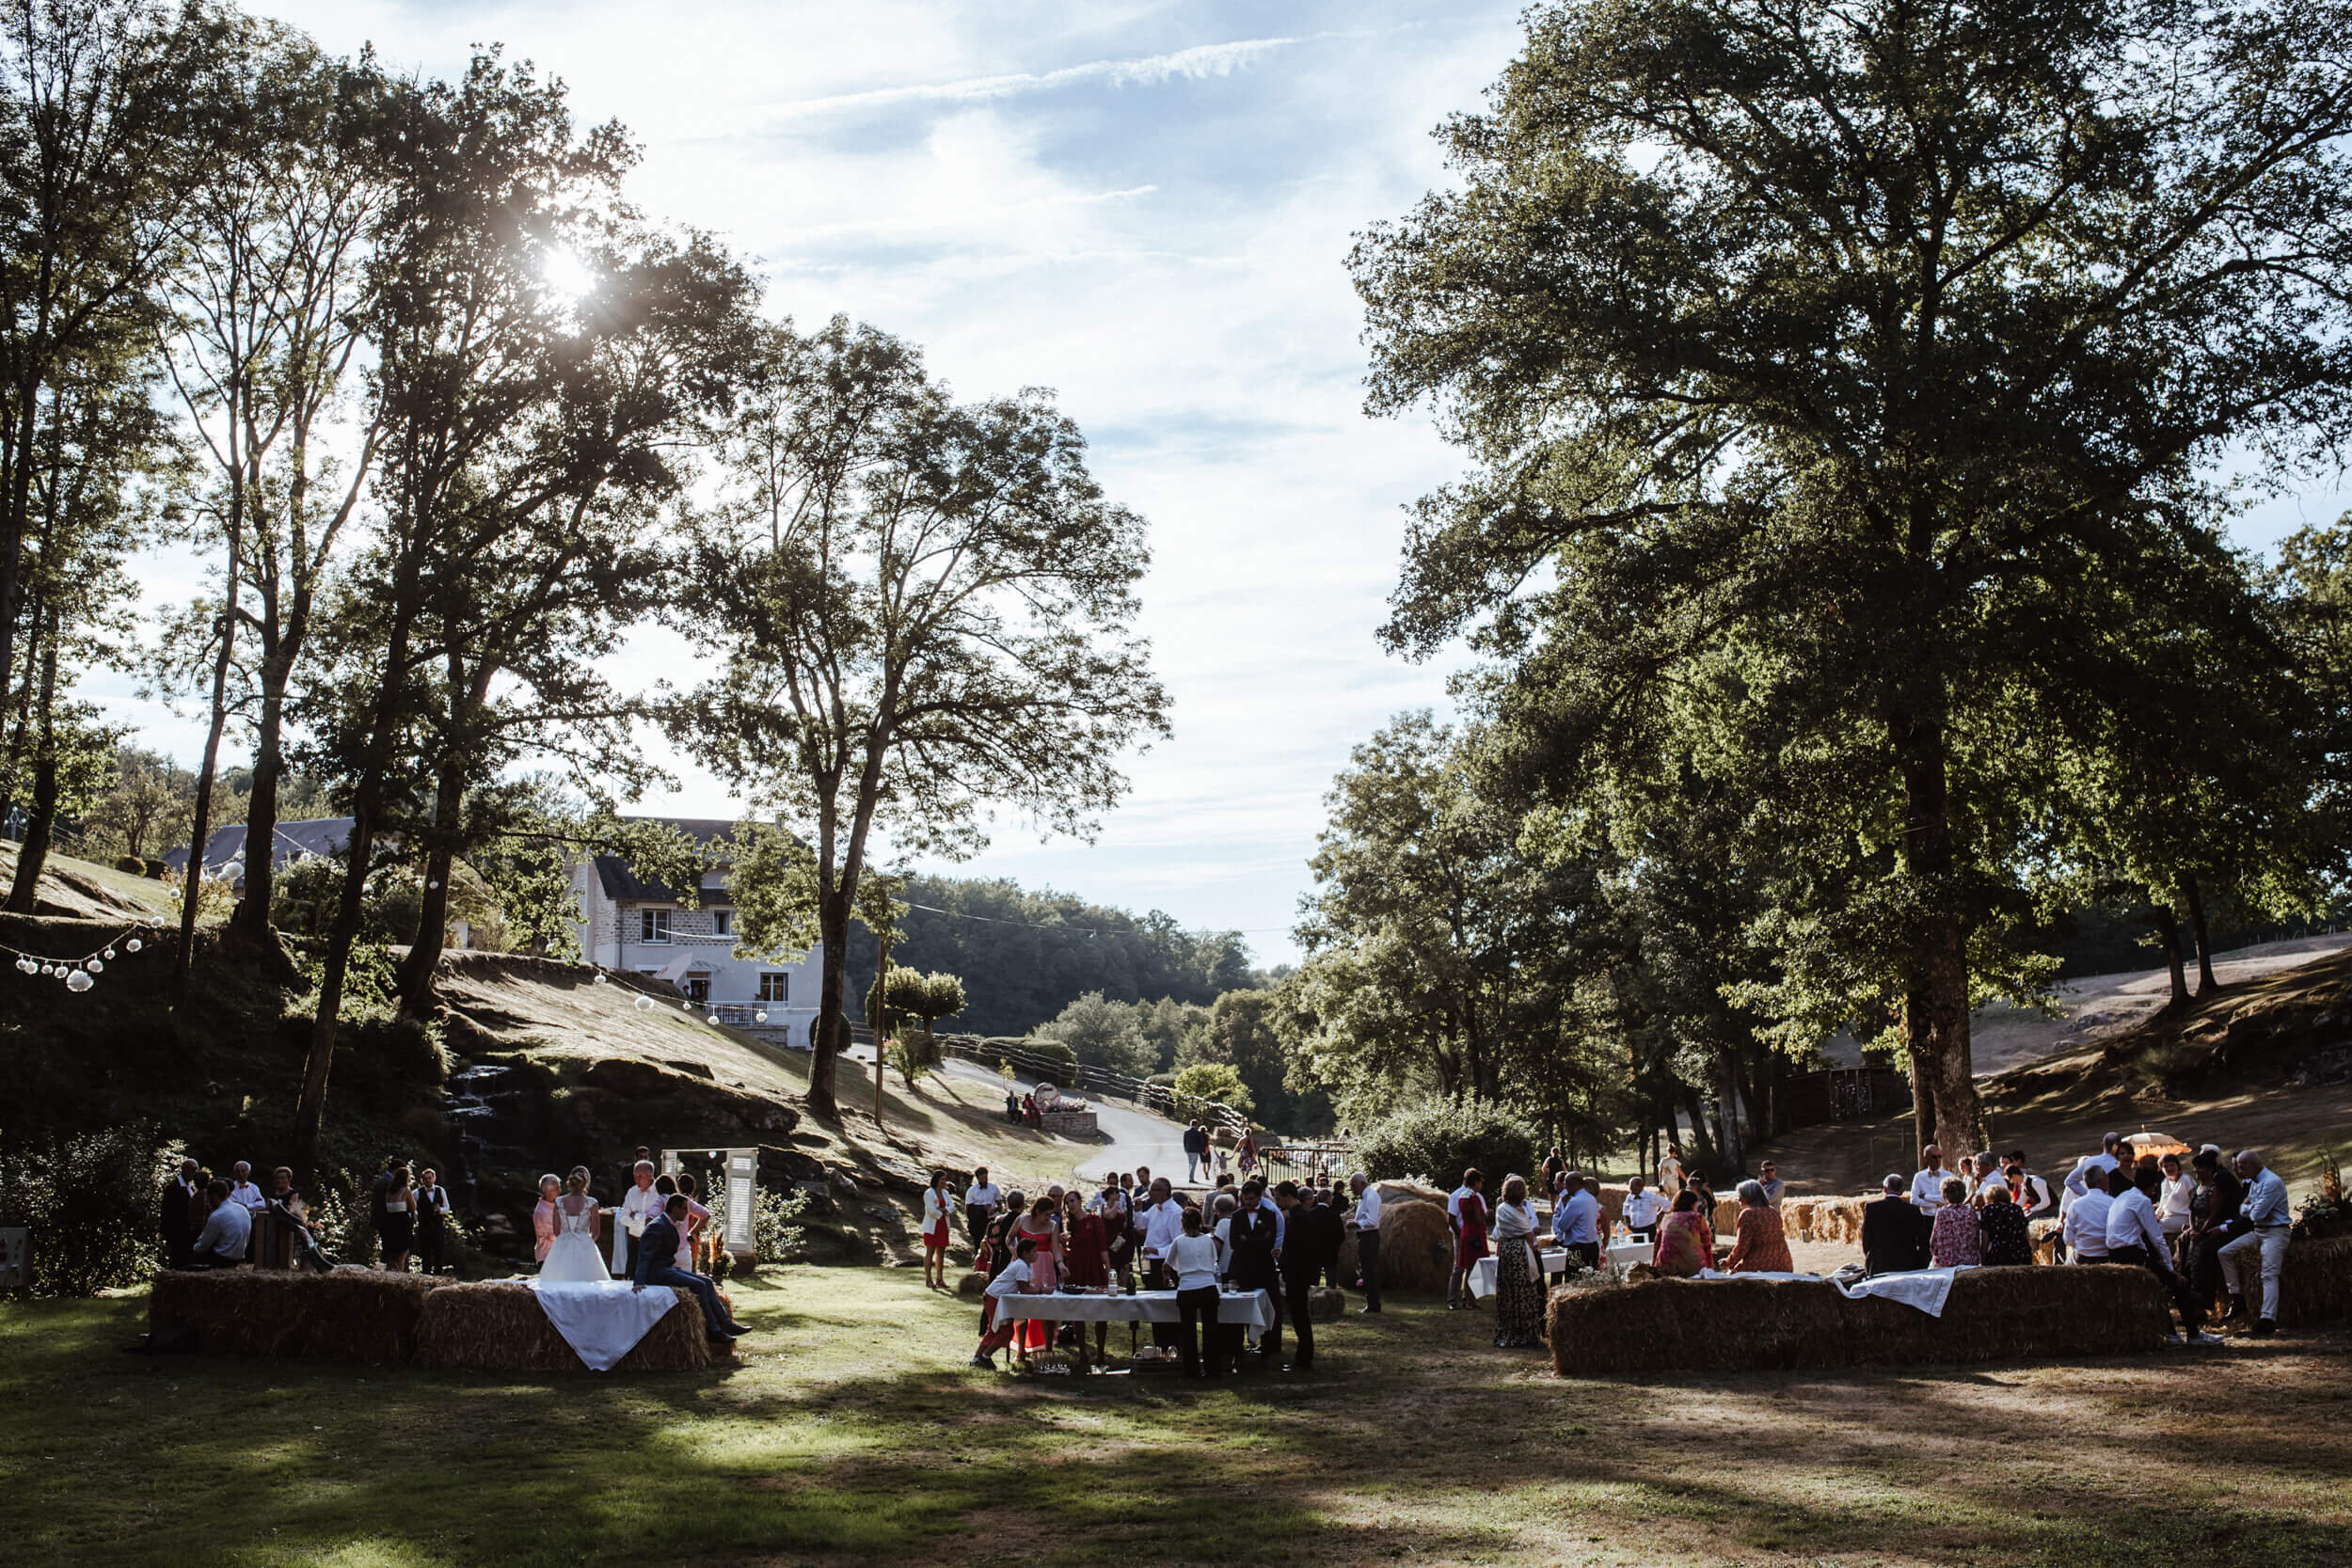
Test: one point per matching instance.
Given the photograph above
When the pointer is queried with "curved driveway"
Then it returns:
(1136, 1137)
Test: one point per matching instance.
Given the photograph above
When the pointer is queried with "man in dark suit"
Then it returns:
(1894, 1234)
(1254, 1239)
(1311, 1244)
(181, 1216)
(656, 1264)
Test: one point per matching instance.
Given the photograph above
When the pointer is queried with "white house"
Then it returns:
(645, 928)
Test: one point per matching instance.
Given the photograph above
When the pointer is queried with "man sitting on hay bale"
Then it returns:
(656, 1264)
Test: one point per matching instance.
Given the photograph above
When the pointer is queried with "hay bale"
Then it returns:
(1407, 1191)
(1768, 1325)
(1325, 1305)
(2044, 1235)
(2315, 1286)
(352, 1314)
(1824, 1219)
(1696, 1325)
(1726, 1215)
(499, 1326)
(1416, 1246)
(971, 1284)
(1349, 1264)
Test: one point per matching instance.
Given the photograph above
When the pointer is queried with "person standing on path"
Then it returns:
(1195, 1151)
(1365, 1222)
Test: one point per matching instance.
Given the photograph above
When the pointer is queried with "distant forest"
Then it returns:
(1024, 957)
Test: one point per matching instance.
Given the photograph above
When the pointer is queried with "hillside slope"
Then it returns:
(2265, 1064)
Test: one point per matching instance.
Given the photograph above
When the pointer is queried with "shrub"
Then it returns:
(1215, 1081)
(1442, 1139)
(153, 868)
(91, 1202)
(776, 1234)
(131, 864)
(1065, 1059)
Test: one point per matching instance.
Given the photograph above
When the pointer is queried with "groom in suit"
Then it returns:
(181, 1216)
(656, 1264)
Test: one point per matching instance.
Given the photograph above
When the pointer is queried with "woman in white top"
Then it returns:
(1192, 1258)
(1519, 1271)
(2178, 1189)
(936, 1207)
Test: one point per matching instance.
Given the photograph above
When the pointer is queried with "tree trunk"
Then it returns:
(311, 1110)
(881, 1010)
(200, 828)
(832, 935)
(1935, 999)
(2206, 983)
(252, 916)
(24, 895)
(2169, 937)
(417, 972)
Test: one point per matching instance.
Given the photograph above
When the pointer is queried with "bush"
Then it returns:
(1065, 1059)
(1441, 1140)
(154, 869)
(1213, 1081)
(776, 1234)
(131, 864)
(92, 1203)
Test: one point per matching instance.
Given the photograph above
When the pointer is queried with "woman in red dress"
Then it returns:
(1469, 1231)
(1042, 1225)
(1086, 1254)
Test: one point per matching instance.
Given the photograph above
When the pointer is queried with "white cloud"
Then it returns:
(1203, 60)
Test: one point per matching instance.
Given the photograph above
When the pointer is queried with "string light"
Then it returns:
(79, 975)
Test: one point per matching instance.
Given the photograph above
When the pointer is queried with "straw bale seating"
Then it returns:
(352, 1314)
(1720, 1325)
(364, 1315)
(498, 1326)
(2315, 1286)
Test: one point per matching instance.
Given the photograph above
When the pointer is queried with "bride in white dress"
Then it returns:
(574, 1258)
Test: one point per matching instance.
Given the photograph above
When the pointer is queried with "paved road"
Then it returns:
(1136, 1137)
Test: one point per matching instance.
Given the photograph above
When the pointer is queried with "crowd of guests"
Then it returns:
(1137, 1230)
(211, 1222)
(2210, 1227)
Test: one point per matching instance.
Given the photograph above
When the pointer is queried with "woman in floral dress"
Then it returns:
(1519, 1271)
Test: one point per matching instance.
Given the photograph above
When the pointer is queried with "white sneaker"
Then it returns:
(2201, 1338)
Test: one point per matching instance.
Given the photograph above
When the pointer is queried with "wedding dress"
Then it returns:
(574, 1258)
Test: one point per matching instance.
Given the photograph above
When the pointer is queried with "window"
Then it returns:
(775, 985)
(698, 986)
(653, 924)
(723, 923)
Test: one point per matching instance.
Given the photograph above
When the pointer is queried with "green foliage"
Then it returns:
(1025, 956)
(1053, 1051)
(1442, 1139)
(91, 1200)
(1100, 1033)
(777, 1233)
(1212, 1081)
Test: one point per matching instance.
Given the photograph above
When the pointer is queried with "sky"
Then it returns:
(1146, 206)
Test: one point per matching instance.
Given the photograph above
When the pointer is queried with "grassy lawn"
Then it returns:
(852, 1433)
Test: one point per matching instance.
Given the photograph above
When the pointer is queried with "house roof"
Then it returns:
(624, 886)
(292, 841)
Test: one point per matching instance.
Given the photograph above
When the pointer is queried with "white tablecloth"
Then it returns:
(1482, 1275)
(602, 1321)
(1925, 1289)
(1631, 1252)
(1253, 1308)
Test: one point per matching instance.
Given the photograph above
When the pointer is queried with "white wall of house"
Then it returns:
(645, 937)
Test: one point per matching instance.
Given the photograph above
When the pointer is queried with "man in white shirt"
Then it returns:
(638, 1205)
(226, 1233)
(1927, 1185)
(1768, 1177)
(1576, 1222)
(2268, 1222)
(1459, 1277)
(2085, 1227)
(1014, 1281)
(2031, 1192)
(1366, 1223)
(2136, 1237)
(1643, 1210)
(980, 1203)
(242, 1190)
